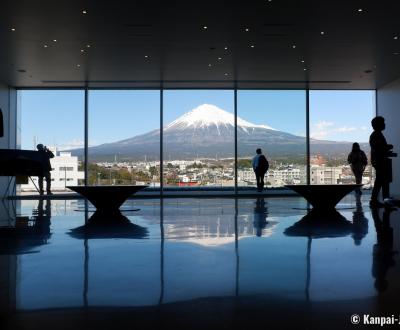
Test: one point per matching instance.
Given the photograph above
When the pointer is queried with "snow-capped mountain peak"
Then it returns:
(206, 115)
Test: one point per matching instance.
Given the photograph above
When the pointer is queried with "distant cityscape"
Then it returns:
(68, 170)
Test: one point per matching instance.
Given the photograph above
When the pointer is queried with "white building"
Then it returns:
(64, 172)
(325, 175)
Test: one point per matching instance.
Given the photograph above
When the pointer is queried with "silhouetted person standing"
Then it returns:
(46, 154)
(260, 166)
(380, 151)
(358, 161)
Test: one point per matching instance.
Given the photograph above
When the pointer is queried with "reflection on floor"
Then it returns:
(196, 263)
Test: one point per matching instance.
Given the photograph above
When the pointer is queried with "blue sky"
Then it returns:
(120, 114)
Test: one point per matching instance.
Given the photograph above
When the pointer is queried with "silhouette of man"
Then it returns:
(45, 154)
(260, 166)
(380, 151)
(357, 160)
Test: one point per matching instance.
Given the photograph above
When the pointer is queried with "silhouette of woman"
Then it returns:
(357, 160)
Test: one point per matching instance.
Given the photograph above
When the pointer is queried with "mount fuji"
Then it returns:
(208, 132)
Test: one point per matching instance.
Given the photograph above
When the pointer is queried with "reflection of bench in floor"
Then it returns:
(106, 198)
(323, 197)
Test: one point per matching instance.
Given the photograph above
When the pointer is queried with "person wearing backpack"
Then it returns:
(358, 161)
(260, 166)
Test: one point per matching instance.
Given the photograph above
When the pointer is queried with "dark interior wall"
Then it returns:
(8, 105)
(388, 106)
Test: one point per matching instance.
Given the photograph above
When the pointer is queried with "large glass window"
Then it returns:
(54, 118)
(274, 121)
(337, 120)
(124, 137)
(199, 135)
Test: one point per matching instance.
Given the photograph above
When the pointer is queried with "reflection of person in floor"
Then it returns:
(42, 218)
(260, 216)
(360, 222)
(383, 253)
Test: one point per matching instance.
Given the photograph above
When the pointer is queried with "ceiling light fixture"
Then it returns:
(13, 29)
(219, 58)
(252, 46)
(84, 11)
(304, 69)
(210, 65)
(87, 46)
(294, 46)
(226, 47)
(78, 65)
(322, 32)
(226, 74)
(396, 37)
(45, 46)
(247, 29)
(82, 50)
(55, 40)
(359, 10)
(302, 61)
(146, 56)
(205, 27)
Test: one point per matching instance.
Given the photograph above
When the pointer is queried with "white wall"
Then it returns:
(8, 105)
(388, 106)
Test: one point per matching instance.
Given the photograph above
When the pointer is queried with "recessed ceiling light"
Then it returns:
(84, 11)
(55, 40)
(87, 46)
(247, 29)
(226, 74)
(82, 50)
(205, 27)
(396, 53)
(45, 46)
(78, 65)
(252, 46)
(359, 10)
(226, 47)
(304, 69)
(294, 46)
(210, 65)
(322, 32)
(396, 37)
(13, 29)
(302, 61)
(146, 56)
(219, 58)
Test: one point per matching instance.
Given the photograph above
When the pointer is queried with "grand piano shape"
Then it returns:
(324, 197)
(107, 199)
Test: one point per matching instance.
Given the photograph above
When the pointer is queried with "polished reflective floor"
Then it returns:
(196, 263)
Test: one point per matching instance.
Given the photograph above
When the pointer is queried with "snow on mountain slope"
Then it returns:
(207, 115)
